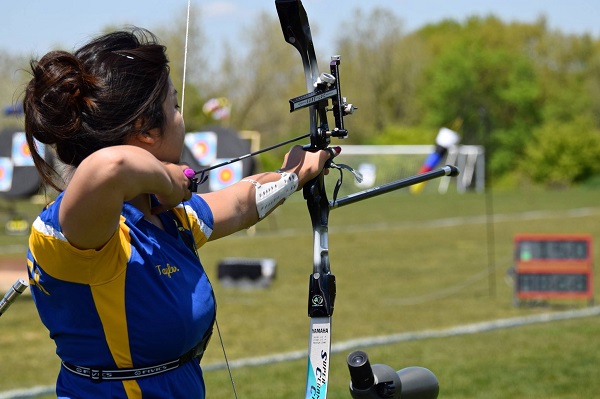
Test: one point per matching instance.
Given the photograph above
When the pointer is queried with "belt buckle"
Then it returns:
(96, 375)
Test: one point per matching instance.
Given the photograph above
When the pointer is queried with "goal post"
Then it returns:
(381, 164)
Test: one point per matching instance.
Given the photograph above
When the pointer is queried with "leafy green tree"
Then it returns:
(592, 81)
(561, 154)
(259, 82)
(480, 78)
(564, 65)
(380, 70)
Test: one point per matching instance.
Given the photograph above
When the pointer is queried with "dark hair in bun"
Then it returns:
(98, 96)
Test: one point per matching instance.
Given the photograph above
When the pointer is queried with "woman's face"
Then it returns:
(171, 142)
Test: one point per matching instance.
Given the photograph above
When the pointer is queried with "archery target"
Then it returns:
(6, 174)
(19, 177)
(203, 146)
(21, 154)
(225, 176)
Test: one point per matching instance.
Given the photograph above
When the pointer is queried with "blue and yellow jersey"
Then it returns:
(141, 300)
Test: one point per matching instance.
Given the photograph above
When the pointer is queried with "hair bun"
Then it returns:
(60, 92)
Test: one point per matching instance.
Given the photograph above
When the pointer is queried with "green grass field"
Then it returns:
(403, 263)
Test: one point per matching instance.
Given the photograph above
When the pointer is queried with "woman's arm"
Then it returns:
(234, 207)
(93, 199)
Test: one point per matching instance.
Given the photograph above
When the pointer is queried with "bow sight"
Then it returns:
(321, 87)
(327, 87)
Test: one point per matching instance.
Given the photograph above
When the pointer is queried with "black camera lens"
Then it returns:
(361, 373)
(357, 359)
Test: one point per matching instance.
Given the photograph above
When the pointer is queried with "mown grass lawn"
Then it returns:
(402, 263)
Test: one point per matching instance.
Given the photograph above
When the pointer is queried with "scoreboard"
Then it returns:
(553, 266)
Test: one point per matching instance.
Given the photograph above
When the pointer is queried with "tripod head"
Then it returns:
(382, 381)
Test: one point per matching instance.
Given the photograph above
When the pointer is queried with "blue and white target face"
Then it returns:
(225, 176)
(203, 146)
(6, 174)
(21, 153)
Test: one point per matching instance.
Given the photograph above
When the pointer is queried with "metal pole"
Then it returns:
(12, 294)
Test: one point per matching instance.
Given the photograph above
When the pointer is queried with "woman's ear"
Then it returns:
(144, 137)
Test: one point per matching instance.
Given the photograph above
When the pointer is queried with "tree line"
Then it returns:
(528, 94)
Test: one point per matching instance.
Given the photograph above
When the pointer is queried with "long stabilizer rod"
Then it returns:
(447, 170)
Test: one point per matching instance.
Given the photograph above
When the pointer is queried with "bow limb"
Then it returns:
(321, 297)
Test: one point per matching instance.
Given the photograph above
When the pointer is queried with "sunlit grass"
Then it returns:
(397, 270)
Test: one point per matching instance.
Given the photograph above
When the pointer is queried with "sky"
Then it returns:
(32, 27)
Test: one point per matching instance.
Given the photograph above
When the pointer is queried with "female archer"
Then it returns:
(112, 260)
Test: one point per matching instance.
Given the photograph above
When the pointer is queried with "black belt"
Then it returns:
(98, 374)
